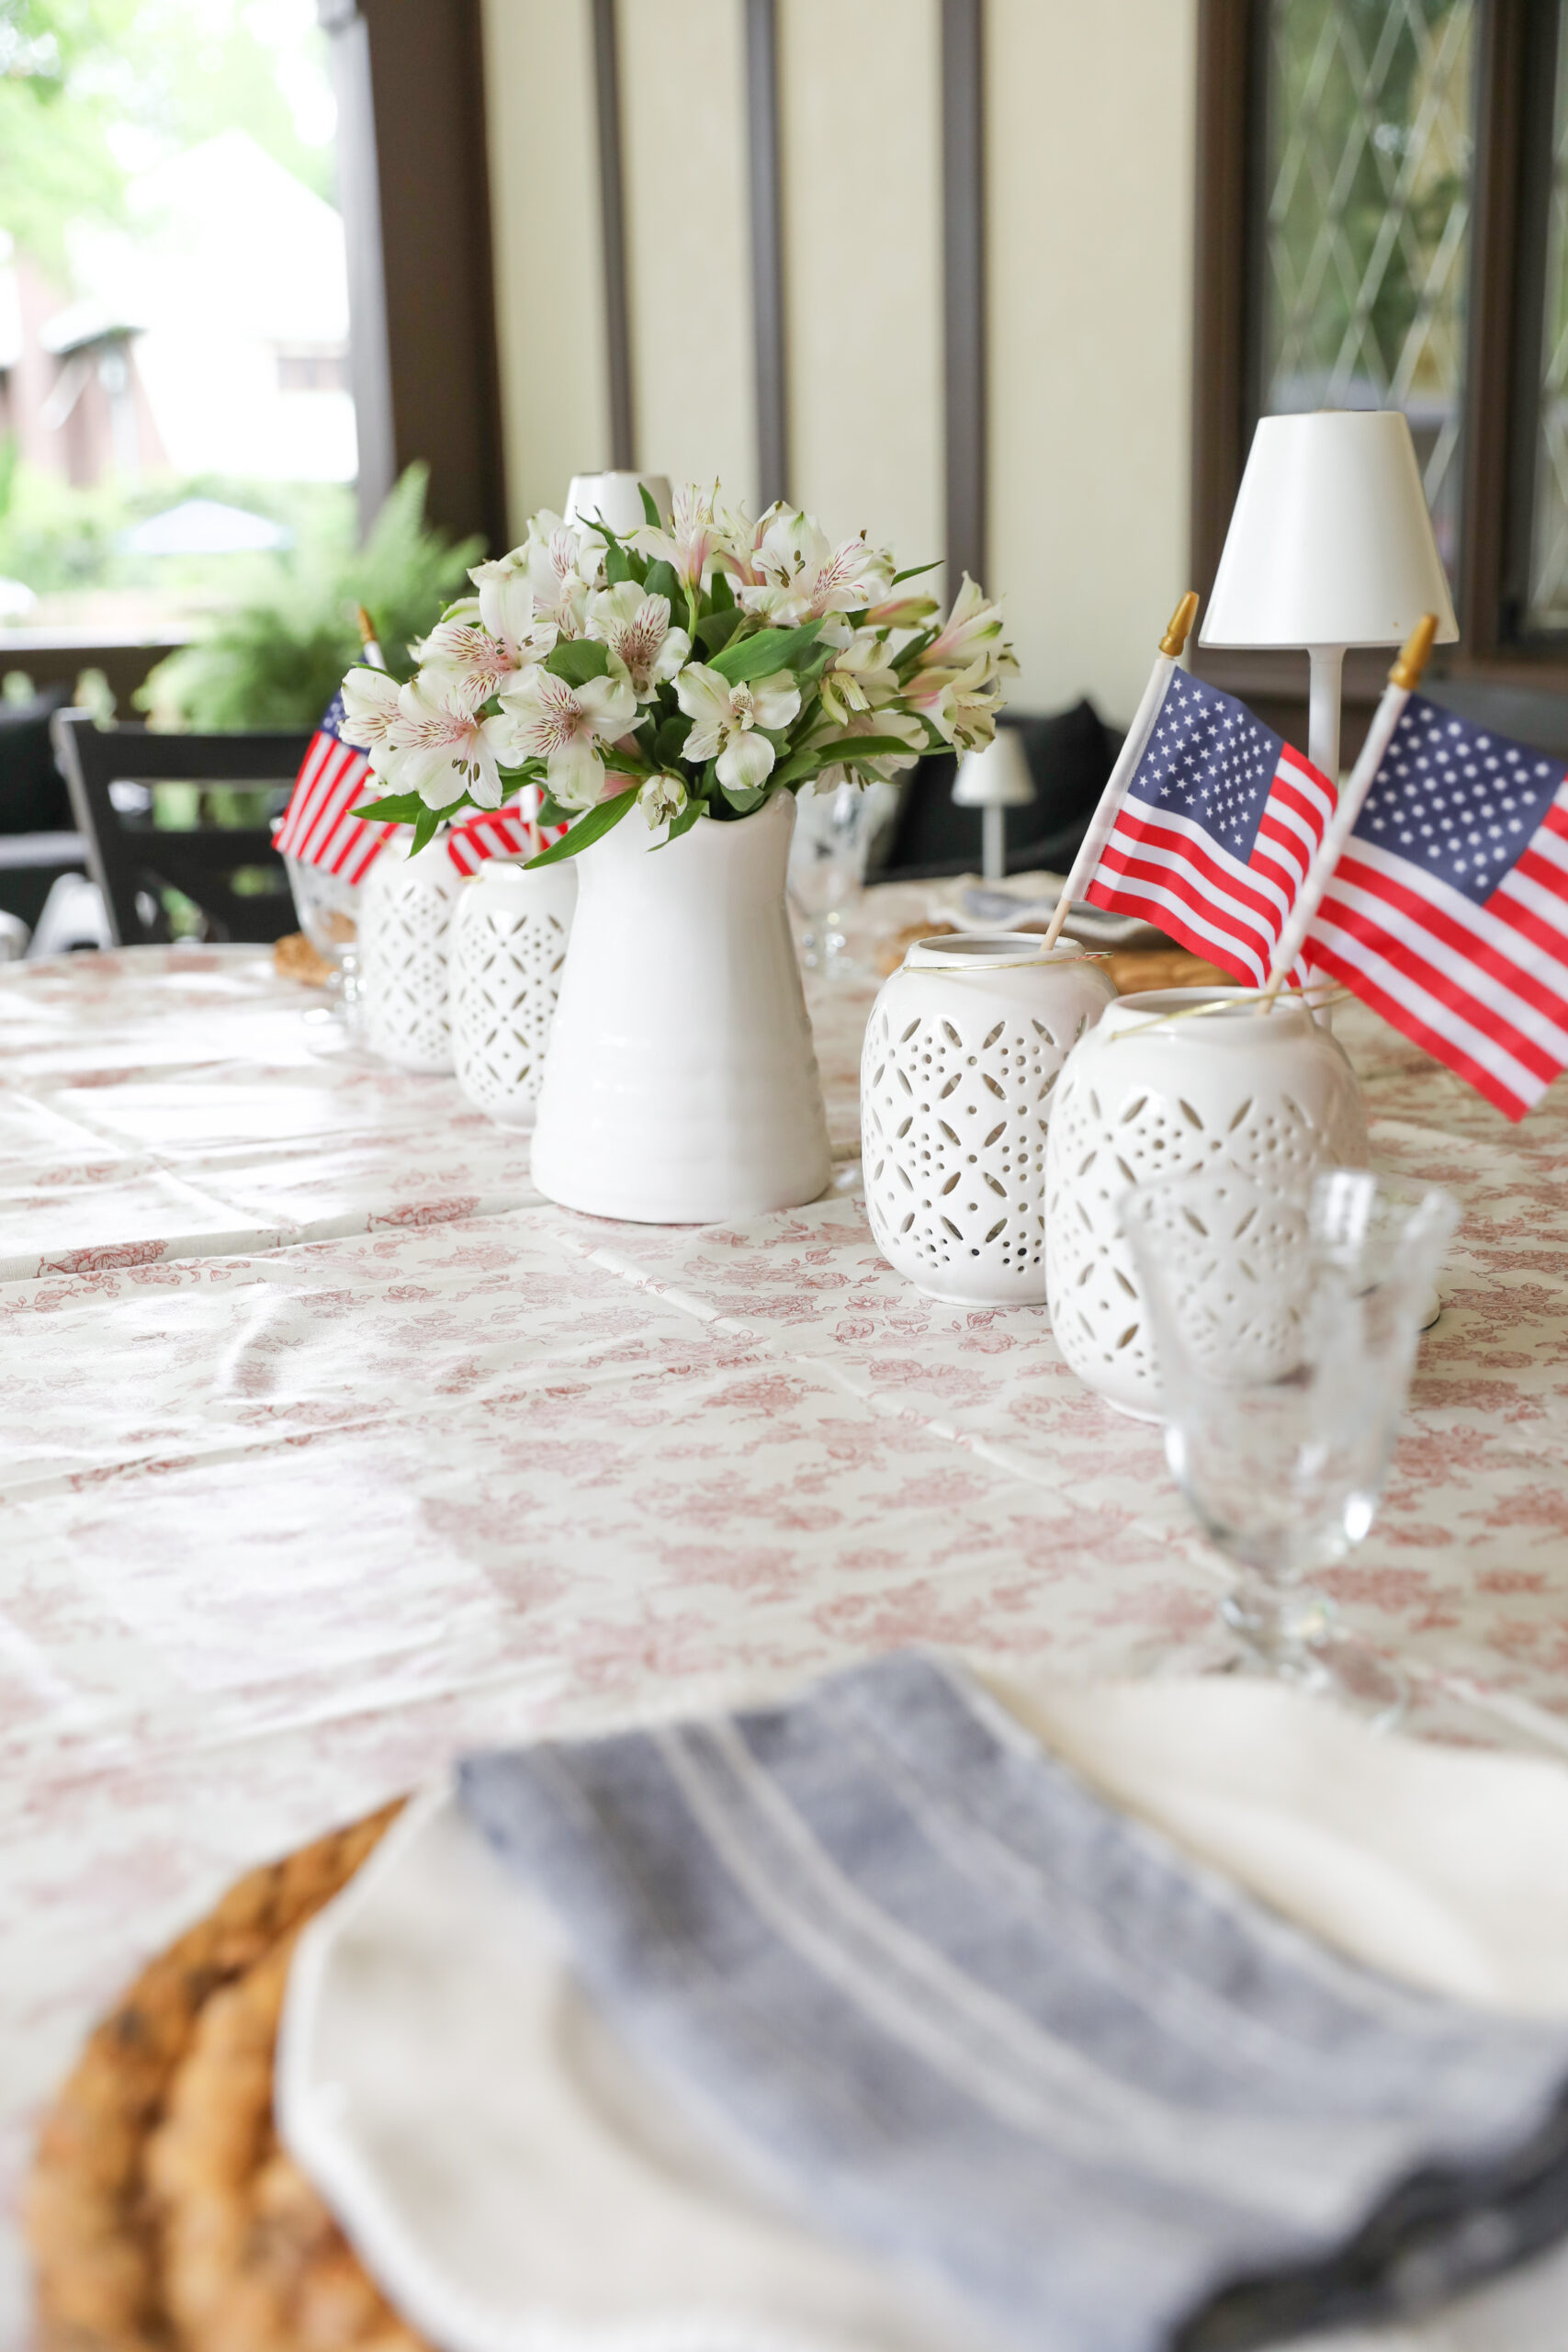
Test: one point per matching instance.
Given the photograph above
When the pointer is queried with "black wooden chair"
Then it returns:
(229, 872)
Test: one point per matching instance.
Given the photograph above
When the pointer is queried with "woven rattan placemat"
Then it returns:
(162, 2216)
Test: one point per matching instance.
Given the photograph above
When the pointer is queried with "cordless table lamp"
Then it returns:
(1330, 545)
(994, 780)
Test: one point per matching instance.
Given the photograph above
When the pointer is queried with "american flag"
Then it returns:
(319, 826)
(1448, 912)
(1215, 832)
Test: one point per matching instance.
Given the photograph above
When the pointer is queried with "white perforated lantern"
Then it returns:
(405, 931)
(509, 940)
(962, 1055)
(1162, 1089)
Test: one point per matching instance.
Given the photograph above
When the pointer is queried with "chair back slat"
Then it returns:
(133, 860)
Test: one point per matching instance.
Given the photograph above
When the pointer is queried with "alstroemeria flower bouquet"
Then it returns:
(689, 669)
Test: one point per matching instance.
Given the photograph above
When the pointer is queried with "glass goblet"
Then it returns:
(1285, 1334)
(328, 908)
(827, 869)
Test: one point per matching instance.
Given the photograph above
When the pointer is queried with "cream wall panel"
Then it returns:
(688, 238)
(1090, 130)
(544, 177)
(861, 142)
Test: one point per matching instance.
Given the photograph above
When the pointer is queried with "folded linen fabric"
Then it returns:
(960, 2010)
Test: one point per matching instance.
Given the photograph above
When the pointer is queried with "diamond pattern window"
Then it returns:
(1546, 602)
(1369, 167)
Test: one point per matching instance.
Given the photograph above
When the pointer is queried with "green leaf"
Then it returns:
(578, 660)
(589, 828)
(721, 595)
(398, 808)
(550, 809)
(424, 830)
(660, 581)
(617, 567)
(799, 768)
(650, 511)
(716, 630)
(743, 798)
(770, 650)
(622, 762)
(670, 738)
(851, 749)
(917, 571)
(683, 823)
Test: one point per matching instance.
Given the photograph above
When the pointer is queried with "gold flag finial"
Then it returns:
(366, 626)
(1406, 670)
(1182, 621)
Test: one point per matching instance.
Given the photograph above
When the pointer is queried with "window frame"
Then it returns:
(1513, 115)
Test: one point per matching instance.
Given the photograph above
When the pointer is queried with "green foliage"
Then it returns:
(592, 827)
(76, 76)
(577, 660)
(278, 658)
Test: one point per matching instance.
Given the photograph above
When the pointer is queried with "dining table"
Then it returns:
(332, 1449)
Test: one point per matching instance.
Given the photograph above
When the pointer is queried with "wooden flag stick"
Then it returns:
(367, 638)
(1103, 823)
(1402, 681)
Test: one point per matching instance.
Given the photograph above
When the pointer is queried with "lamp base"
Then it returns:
(1327, 663)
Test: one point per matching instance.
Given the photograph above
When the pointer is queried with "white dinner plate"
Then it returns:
(518, 2182)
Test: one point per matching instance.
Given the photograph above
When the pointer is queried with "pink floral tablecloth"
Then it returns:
(330, 1448)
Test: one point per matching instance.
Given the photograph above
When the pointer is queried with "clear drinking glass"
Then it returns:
(1285, 1337)
(827, 869)
(328, 908)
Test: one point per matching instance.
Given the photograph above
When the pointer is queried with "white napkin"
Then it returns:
(518, 2185)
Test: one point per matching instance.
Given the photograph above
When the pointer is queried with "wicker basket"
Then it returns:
(162, 2215)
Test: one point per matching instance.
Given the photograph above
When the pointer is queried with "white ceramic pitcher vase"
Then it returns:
(681, 1085)
(1162, 1089)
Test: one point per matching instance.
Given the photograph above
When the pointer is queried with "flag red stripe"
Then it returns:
(1471, 946)
(1401, 1016)
(1440, 985)
(1261, 907)
(1178, 919)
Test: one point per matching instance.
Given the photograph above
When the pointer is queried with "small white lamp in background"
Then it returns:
(618, 497)
(1330, 546)
(994, 781)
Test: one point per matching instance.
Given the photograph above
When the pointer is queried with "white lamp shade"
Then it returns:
(618, 497)
(1330, 542)
(997, 777)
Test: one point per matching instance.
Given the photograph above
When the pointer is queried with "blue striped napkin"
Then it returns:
(968, 2015)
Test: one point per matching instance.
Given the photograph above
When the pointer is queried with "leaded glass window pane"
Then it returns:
(1369, 149)
(1546, 603)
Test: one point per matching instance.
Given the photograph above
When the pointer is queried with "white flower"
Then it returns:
(726, 716)
(663, 797)
(370, 707)
(694, 537)
(974, 626)
(441, 750)
(802, 577)
(549, 566)
(895, 720)
(560, 725)
(958, 681)
(471, 654)
(636, 625)
(860, 677)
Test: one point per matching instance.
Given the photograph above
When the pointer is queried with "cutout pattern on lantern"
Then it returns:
(1273, 1105)
(509, 944)
(405, 934)
(956, 1088)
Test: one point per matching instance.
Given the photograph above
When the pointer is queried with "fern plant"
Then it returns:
(277, 659)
